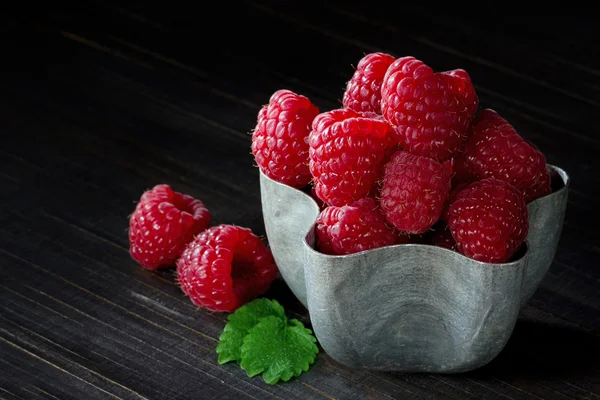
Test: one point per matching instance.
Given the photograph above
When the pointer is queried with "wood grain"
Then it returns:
(101, 101)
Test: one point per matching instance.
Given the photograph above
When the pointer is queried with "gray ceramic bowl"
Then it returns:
(409, 307)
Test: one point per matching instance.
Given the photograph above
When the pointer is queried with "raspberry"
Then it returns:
(279, 138)
(414, 191)
(430, 112)
(489, 220)
(162, 223)
(353, 228)
(224, 267)
(496, 150)
(363, 90)
(346, 153)
(443, 238)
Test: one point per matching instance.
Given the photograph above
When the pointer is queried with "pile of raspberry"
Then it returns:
(220, 268)
(407, 158)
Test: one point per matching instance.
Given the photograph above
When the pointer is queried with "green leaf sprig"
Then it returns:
(262, 339)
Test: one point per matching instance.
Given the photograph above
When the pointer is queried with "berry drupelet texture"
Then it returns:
(414, 192)
(353, 228)
(224, 267)
(488, 220)
(431, 112)
(163, 222)
(347, 150)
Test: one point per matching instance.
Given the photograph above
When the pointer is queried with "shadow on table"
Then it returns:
(538, 349)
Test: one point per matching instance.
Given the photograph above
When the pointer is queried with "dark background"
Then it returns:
(101, 101)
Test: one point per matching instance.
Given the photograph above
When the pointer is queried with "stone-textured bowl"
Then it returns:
(408, 307)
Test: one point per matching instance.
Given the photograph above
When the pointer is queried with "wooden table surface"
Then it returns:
(99, 102)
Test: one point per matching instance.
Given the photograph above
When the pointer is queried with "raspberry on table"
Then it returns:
(363, 90)
(430, 112)
(279, 139)
(414, 192)
(163, 222)
(224, 267)
(352, 228)
(489, 220)
(346, 152)
(496, 150)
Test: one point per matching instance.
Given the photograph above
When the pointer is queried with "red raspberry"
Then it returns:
(489, 220)
(363, 91)
(414, 191)
(430, 112)
(346, 152)
(279, 139)
(353, 228)
(496, 150)
(162, 223)
(224, 267)
(443, 238)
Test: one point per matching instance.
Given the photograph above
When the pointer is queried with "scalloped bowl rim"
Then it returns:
(443, 251)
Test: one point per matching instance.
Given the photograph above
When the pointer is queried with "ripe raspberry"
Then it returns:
(353, 228)
(496, 150)
(279, 139)
(430, 112)
(224, 267)
(443, 238)
(414, 191)
(489, 220)
(162, 223)
(363, 91)
(346, 152)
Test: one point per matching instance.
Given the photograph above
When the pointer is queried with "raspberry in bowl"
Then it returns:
(429, 236)
(407, 307)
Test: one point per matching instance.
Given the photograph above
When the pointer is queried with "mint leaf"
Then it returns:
(279, 349)
(240, 322)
